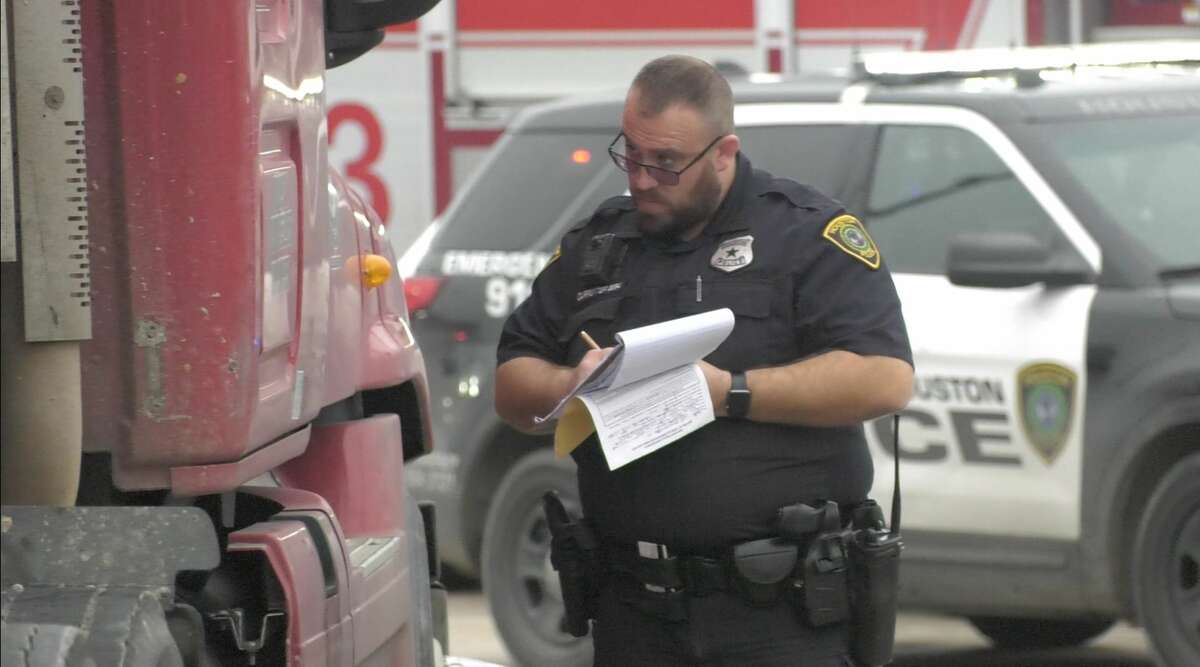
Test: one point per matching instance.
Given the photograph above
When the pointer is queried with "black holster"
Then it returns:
(822, 597)
(875, 572)
(573, 553)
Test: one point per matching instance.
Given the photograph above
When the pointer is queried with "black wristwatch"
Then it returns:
(737, 401)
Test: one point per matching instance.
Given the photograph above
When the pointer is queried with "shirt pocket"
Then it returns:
(750, 300)
(750, 344)
(597, 319)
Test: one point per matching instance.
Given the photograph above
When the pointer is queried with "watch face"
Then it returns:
(737, 401)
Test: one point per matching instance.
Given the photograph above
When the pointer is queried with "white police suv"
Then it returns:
(1040, 213)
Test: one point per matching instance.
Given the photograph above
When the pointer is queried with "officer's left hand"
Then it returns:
(718, 386)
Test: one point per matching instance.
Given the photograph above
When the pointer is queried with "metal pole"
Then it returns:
(1076, 21)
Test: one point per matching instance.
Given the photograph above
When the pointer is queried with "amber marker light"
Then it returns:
(374, 270)
(581, 156)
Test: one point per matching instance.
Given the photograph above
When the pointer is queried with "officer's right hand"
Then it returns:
(586, 365)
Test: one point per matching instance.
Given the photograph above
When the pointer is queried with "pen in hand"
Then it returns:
(588, 339)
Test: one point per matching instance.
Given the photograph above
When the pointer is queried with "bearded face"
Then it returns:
(678, 165)
(672, 213)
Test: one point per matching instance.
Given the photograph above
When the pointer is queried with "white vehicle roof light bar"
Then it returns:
(921, 66)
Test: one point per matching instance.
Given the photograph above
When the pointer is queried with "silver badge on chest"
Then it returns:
(734, 254)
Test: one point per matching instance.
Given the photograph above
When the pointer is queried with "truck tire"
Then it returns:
(521, 587)
(1166, 567)
(1026, 633)
(78, 627)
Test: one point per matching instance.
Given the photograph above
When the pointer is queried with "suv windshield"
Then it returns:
(1142, 173)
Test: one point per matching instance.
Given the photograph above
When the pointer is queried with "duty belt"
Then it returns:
(810, 546)
(697, 575)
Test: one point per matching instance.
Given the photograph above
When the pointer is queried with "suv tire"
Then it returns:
(1166, 568)
(1026, 633)
(521, 587)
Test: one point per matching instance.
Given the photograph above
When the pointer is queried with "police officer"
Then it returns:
(818, 347)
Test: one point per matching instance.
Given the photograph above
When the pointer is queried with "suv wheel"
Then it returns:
(1025, 633)
(521, 587)
(1166, 568)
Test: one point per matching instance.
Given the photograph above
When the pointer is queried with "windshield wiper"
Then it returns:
(961, 184)
(1177, 272)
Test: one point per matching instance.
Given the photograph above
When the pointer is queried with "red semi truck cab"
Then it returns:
(210, 388)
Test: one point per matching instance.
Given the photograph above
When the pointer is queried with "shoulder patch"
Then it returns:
(553, 257)
(848, 234)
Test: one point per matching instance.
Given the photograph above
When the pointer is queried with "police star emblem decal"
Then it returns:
(733, 254)
(848, 234)
(1046, 394)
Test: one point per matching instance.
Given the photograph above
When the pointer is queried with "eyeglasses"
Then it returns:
(661, 175)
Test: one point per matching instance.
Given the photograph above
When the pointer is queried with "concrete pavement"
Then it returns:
(922, 640)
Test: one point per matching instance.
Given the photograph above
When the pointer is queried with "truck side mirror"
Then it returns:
(353, 27)
(1011, 259)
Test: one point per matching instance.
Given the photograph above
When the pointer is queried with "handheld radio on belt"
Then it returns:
(875, 563)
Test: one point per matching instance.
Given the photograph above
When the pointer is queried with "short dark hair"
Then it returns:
(670, 80)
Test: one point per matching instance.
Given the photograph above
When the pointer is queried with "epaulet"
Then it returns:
(611, 207)
(800, 195)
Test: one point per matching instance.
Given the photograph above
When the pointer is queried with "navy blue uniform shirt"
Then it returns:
(795, 290)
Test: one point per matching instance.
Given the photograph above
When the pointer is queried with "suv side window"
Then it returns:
(933, 182)
(815, 155)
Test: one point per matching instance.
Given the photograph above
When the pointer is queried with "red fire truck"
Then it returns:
(210, 389)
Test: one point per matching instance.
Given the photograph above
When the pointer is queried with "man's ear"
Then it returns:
(727, 149)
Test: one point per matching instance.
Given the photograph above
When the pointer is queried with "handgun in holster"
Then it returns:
(823, 597)
(573, 554)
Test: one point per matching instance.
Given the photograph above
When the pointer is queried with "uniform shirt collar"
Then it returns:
(728, 217)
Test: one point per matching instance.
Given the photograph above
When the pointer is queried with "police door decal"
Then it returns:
(1047, 399)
